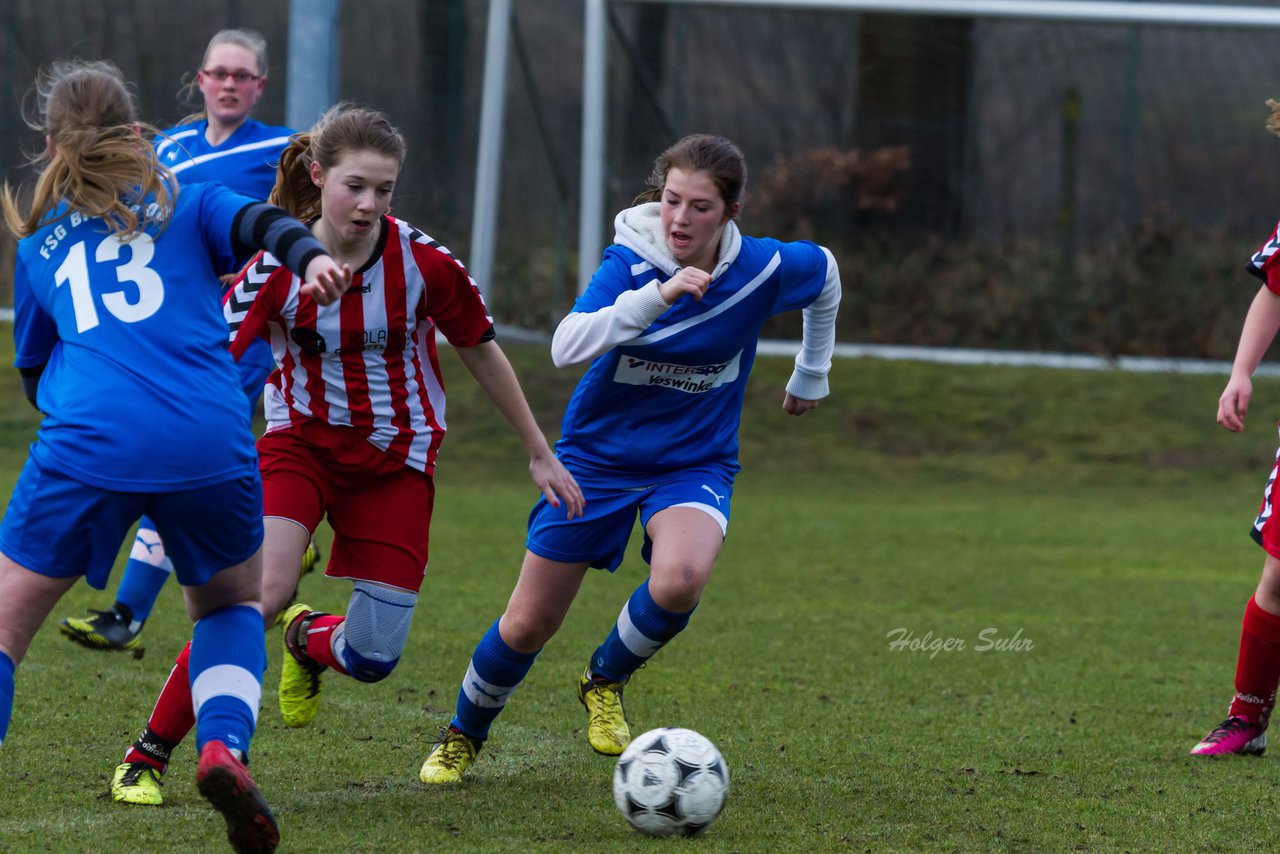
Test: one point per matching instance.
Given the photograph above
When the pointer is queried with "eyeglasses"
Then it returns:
(221, 75)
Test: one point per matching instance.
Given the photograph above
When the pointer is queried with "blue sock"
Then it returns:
(145, 573)
(228, 657)
(495, 671)
(642, 629)
(6, 693)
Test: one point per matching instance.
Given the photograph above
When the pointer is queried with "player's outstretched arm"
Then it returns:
(1260, 326)
(489, 365)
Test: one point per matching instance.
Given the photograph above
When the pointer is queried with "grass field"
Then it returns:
(1082, 534)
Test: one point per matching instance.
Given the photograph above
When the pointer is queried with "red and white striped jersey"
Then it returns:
(1265, 263)
(367, 361)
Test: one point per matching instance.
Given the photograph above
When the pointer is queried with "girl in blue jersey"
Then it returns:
(671, 320)
(222, 143)
(121, 343)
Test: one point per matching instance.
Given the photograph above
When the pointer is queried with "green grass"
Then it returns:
(1100, 518)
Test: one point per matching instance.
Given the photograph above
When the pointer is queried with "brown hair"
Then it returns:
(701, 152)
(248, 39)
(344, 127)
(1273, 121)
(97, 160)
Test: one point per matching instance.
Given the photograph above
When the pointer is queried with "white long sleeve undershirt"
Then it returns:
(818, 339)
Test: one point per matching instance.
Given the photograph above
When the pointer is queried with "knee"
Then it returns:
(374, 634)
(678, 588)
(368, 668)
(524, 631)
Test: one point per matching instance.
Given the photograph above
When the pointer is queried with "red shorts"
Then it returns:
(379, 509)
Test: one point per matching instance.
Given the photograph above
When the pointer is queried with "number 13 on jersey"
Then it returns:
(74, 271)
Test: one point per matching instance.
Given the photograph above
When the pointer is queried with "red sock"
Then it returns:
(1258, 667)
(317, 644)
(172, 718)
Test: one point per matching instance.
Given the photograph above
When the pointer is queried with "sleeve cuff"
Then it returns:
(647, 305)
(808, 386)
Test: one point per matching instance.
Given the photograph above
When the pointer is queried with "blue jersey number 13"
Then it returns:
(75, 272)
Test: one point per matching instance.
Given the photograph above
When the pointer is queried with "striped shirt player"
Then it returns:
(1244, 731)
(355, 417)
(367, 362)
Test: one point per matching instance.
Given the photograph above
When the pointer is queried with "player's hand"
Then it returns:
(557, 484)
(325, 280)
(1233, 405)
(793, 405)
(687, 280)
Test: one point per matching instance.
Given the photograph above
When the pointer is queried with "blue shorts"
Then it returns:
(59, 527)
(599, 536)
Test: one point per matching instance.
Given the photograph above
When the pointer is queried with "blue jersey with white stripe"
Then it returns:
(672, 397)
(245, 161)
(140, 393)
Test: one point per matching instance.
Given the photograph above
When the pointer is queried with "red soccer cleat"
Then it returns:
(226, 784)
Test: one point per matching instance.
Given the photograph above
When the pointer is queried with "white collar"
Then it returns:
(640, 230)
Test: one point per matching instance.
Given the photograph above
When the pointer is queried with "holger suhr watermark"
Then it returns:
(990, 639)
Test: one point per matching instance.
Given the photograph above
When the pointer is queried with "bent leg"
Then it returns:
(366, 644)
(686, 542)
(502, 659)
(540, 601)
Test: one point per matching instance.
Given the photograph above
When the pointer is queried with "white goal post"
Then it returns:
(593, 217)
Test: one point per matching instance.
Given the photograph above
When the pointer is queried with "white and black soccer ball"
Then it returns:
(670, 781)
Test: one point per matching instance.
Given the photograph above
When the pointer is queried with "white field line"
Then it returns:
(1070, 361)
(956, 356)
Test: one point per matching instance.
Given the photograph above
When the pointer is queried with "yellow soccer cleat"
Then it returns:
(299, 691)
(136, 783)
(607, 729)
(310, 558)
(109, 629)
(453, 754)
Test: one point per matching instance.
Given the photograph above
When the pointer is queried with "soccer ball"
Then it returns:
(670, 781)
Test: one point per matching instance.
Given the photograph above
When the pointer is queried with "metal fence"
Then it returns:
(1070, 138)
